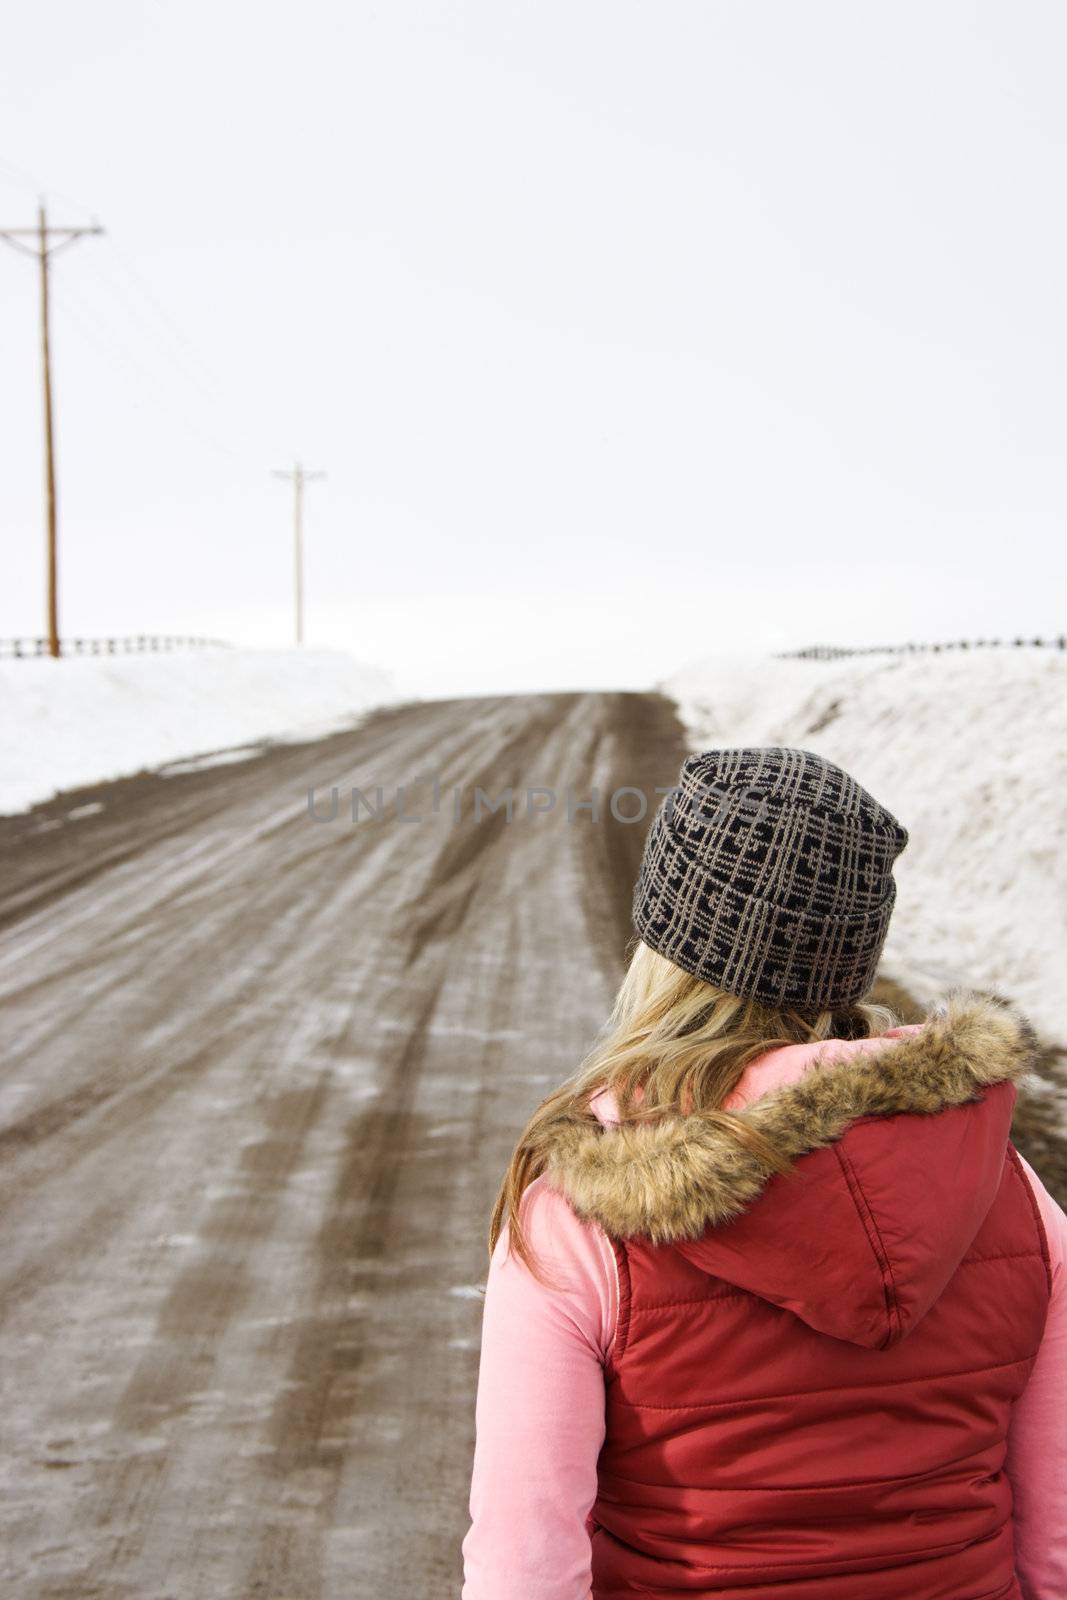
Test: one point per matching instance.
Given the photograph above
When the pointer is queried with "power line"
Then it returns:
(183, 351)
(104, 339)
(299, 478)
(149, 319)
(21, 179)
(155, 323)
(48, 242)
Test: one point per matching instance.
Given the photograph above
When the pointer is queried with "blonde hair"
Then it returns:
(685, 1044)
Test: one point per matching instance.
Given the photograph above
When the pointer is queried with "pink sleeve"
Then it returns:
(1037, 1441)
(539, 1414)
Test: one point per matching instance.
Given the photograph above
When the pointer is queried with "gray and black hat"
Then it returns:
(769, 872)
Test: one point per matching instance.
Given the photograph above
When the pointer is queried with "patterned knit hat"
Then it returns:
(769, 872)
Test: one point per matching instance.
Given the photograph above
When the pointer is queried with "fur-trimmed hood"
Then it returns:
(865, 1194)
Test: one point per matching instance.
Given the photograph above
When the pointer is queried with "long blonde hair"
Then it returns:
(685, 1043)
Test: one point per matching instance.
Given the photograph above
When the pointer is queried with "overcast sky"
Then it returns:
(624, 331)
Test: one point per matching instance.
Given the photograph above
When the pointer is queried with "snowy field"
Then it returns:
(969, 750)
(83, 720)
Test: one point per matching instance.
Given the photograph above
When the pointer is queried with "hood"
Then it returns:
(895, 1150)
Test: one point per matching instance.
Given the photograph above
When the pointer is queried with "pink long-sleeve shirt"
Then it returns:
(539, 1415)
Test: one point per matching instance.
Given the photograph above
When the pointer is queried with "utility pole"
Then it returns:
(299, 478)
(42, 248)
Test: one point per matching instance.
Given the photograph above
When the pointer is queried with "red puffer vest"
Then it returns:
(813, 1373)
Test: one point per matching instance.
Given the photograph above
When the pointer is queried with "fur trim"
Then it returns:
(673, 1177)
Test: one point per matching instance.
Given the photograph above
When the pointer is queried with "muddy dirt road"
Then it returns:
(260, 1076)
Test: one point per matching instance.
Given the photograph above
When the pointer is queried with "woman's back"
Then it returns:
(804, 1328)
(823, 1387)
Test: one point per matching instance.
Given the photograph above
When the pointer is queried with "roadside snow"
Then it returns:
(969, 750)
(86, 719)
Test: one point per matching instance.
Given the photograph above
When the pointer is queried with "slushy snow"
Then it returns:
(969, 751)
(85, 719)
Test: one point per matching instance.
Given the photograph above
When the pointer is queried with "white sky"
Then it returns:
(624, 331)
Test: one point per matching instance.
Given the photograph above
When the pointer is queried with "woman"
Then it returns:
(774, 1306)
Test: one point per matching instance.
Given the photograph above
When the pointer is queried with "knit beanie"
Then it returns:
(768, 872)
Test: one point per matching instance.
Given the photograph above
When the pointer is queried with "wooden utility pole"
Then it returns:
(42, 249)
(299, 478)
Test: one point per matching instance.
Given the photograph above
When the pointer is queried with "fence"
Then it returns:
(128, 644)
(832, 652)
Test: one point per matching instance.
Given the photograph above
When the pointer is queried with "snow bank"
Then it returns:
(969, 750)
(86, 719)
